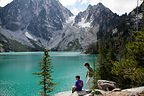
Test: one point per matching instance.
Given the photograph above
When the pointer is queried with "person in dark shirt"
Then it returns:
(89, 74)
(78, 85)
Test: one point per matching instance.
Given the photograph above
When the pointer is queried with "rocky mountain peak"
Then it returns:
(100, 5)
(94, 14)
(89, 6)
(97, 7)
(39, 17)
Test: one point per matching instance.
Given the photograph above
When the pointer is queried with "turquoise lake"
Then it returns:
(16, 70)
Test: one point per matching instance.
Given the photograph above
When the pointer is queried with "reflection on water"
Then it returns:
(16, 70)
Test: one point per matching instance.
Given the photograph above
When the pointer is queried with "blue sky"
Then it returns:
(117, 6)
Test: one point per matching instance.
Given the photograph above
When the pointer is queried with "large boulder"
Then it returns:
(106, 85)
(139, 91)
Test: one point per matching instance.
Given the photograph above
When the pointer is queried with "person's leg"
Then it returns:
(88, 83)
(73, 89)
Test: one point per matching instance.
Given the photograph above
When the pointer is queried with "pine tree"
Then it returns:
(106, 57)
(97, 76)
(130, 70)
(45, 75)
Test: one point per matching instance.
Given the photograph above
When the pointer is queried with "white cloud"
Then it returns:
(68, 2)
(94, 2)
(4, 2)
(84, 1)
(75, 11)
(118, 6)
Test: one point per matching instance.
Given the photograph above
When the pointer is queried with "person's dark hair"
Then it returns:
(78, 77)
(86, 64)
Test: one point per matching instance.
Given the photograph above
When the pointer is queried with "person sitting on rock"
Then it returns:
(78, 85)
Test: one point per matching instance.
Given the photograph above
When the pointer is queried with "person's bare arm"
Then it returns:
(86, 75)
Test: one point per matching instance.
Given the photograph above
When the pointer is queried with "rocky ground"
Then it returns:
(106, 88)
(69, 93)
(139, 91)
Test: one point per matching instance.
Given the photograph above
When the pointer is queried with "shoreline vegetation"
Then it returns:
(124, 67)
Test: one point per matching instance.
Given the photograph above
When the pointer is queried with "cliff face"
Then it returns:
(86, 28)
(32, 22)
(98, 14)
(39, 17)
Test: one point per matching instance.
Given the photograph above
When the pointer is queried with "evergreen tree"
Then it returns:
(97, 75)
(103, 65)
(130, 70)
(45, 75)
(127, 69)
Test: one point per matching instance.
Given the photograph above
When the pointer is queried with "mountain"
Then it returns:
(98, 16)
(86, 28)
(121, 33)
(129, 23)
(22, 19)
(13, 45)
(47, 24)
(38, 17)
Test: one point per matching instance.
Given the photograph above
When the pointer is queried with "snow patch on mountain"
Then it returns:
(17, 36)
(83, 23)
(29, 36)
(71, 20)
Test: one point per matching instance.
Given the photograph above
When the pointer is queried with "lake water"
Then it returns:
(16, 70)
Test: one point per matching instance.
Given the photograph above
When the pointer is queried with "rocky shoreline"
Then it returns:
(106, 88)
(139, 91)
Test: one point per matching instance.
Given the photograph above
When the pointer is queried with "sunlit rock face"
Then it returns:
(97, 16)
(86, 28)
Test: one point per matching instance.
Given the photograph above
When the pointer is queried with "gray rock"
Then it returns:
(116, 89)
(69, 93)
(133, 94)
(106, 85)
